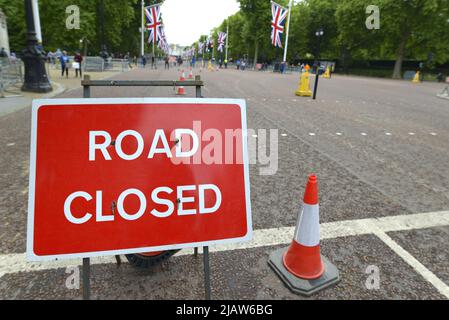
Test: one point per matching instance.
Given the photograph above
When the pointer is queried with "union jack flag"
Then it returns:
(154, 22)
(163, 44)
(200, 47)
(209, 44)
(221, 40)
(277, 24)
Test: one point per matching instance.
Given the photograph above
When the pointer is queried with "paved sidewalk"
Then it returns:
(16, 100)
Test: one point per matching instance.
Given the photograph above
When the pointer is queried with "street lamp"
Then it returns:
(319, 33)
(104, 52)
(84, 41)
(36, 79)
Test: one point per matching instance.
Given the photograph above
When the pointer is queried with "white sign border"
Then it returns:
(37, 103)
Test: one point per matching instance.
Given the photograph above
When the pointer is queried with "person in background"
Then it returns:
(243, 65)
(64, 59)
(238, 64)
(144, 61)
(226, 63)
(13, 58)
(3, 53)
(193, 63)
(167, 63)
(58, 54)
(78, 59)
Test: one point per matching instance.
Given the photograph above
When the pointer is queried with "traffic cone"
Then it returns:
(209, 66)
(181, 91)
(301, 266)
(191, 74)
(417, 79)
(304, 86)
(183, 76)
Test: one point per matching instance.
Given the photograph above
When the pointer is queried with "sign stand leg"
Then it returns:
(195, 252)
(86, 278)
(207, 287)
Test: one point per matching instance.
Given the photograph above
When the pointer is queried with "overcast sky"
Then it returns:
(186, 20)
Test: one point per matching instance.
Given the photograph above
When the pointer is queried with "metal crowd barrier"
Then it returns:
(10, 74)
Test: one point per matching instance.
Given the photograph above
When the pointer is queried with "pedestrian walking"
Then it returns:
(77, 64)
(238, 64)
(167, 63)
(153, 65)
(144, 61)
(64, 59)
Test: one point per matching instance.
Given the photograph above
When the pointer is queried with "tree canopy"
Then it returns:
(409, 30)
(122, 23)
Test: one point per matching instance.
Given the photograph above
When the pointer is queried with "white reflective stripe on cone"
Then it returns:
(307, 232)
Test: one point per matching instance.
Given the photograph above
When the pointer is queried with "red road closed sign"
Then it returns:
(118, 176)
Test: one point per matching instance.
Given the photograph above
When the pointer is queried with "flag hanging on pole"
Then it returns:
(154, 22)
(200, 47)
(209, 44)
(221, 40)
(277, 24)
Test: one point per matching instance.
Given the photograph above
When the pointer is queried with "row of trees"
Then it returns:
(409, 29)
(121, 33)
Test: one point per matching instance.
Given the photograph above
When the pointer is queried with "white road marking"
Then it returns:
(14, 263)
(414, 263)
(284, 134)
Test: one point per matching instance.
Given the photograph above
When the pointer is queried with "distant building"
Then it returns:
(4, 40)
(176, 50)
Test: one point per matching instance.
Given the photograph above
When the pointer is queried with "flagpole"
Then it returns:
(142, 49)
(288, 29)
(227, 38)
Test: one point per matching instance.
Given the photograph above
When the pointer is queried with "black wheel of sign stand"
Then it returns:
(136, 259)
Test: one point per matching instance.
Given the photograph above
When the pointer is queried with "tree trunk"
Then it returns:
(400, 53)
(256, 53)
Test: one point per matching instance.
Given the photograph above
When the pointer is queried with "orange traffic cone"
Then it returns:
(183, 76)
(191, 74)
(301, 266)
(181, 91)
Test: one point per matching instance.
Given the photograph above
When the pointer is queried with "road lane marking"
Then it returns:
(15, 263)
(413, 262)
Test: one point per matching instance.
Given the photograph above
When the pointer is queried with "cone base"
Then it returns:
(304, 93)
(302, 286)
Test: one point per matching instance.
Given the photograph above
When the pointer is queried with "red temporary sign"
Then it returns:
(119, 176)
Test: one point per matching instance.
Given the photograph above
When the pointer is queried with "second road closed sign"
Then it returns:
(116, 176)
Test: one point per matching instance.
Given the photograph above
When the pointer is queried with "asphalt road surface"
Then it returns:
(378, 147)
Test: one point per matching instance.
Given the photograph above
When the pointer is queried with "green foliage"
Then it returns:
(122, 22)
(409, 29)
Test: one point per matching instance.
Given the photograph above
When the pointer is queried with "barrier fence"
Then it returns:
(11, 73)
